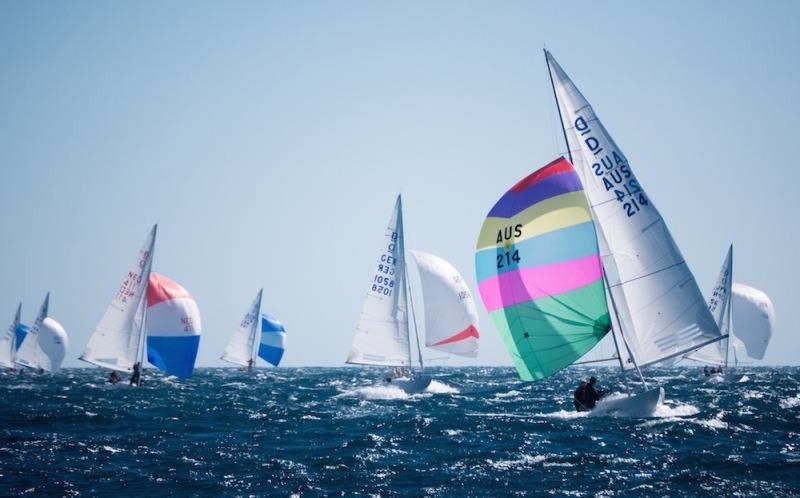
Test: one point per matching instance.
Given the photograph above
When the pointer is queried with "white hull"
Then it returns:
(413, 385)
(639, 405)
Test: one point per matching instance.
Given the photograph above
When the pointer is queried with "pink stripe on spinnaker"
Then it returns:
(527, 284)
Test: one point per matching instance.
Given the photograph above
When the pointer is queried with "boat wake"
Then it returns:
(389, 392)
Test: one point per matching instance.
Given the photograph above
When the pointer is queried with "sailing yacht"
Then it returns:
(42, 346)
(382, 336)
(243, 349)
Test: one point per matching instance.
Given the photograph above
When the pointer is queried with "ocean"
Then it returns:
(338, 432)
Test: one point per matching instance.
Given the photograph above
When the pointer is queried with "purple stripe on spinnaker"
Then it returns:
(514, 202)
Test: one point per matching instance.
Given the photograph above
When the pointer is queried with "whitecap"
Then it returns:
(524, 461)
(437, 387)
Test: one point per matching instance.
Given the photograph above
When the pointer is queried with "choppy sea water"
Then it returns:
(332, 431)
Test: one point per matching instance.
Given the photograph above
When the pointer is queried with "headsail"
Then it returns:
(241, 348)
(173, 326)
(273, 340)
(539, 272)
(8, 343)
(753, 319)
(719, 304)
(451, 319)
(30, 354)
(381, 336)
(116, 341)
(660, 307)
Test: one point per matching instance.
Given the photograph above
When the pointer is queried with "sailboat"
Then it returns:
(658, 311)
(382, 336)
(755, 318)
(44, 345)
(8, 343)
(243, 349)
(146, 304)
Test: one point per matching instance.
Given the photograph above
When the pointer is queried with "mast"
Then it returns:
(256, 323)
(558, 109)
(728, 312)
(402, 251)
(141, 348)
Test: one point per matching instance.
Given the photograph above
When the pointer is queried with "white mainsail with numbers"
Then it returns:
(658, 306)
(241, 349)
(117, 342)
(720, 306)
(382, 333)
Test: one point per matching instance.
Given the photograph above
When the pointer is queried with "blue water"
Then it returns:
(321, 431)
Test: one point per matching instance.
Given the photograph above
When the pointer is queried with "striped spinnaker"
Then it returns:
(539, 272)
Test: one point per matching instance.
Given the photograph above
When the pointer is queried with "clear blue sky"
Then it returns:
(269, 140)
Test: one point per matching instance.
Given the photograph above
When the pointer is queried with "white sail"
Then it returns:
(753, 319)
(451, 318)
(116, 342)
(241, 349)
(719, 304)
(53, 343)
(381, 336)
(660, 307)
(8, 343)
(30, 354)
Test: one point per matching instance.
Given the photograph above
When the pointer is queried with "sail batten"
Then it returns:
(655, 294)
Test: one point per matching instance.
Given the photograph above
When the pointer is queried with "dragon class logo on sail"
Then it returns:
(613, 170)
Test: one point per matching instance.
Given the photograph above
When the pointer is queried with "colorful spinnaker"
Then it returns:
(539, 272)
(273, 340)
(173, 326)
(8, 343)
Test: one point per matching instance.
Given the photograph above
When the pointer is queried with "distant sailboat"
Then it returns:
(45, 343)
(750, 309)
(120, 340)
(243, 347)
(8, 343)
(382, 336)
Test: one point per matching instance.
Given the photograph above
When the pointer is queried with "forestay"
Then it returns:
(753, 319)
(451, 319)
(539, 272)
(173, 326)
(382, 335)
(241, 348)
(719, 304)
(30, 354)
(8, 343)
(117, 340)
(661, 310)
(273, 340)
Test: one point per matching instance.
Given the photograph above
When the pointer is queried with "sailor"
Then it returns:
(114, 377)
(593, 394)
(136, 377)
(579, 398)
(250, 365)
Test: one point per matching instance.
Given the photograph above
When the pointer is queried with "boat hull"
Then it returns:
(643, 404)
(414, 385)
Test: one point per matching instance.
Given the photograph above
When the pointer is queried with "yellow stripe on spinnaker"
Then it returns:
(552, 214)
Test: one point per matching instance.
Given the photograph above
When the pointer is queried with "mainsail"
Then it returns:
(241, 348)
(173, 326)
(382, 335)
(8, 343)
(30, 354)
(273, 340)
(719, 304)
(117, 340)
(451, 319)
(539, 272)
(753, 319)
(657, 301)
